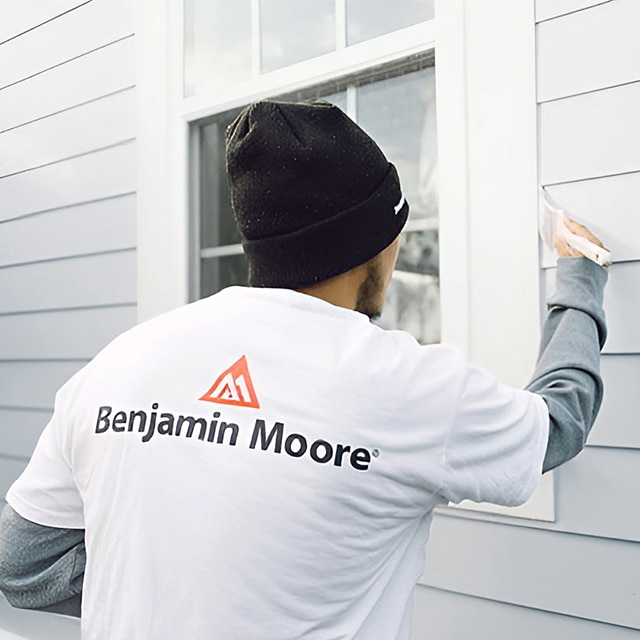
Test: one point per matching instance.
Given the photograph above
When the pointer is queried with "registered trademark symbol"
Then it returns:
(375, 453)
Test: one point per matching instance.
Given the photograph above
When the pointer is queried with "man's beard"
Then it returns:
(370, 294)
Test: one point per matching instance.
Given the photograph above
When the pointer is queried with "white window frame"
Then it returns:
(487, 163)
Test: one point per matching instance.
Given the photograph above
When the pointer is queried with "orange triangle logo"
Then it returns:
(233, 386)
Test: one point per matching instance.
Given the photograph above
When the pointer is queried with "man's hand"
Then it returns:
(564, 249)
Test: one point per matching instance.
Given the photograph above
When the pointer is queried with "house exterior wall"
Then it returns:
(67, 217)
(68, 285)
(578, 576)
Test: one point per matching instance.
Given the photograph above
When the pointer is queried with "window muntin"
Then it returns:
(394, 104)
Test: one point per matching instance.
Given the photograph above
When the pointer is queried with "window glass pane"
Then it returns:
(217, 223)
(370, 18)
(217, 43)
(295, 30)
(399, 113)
(226, 271)
(413, 304)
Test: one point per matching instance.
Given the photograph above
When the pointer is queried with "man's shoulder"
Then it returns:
(398, 355)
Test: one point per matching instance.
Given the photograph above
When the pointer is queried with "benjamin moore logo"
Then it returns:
(233, 386)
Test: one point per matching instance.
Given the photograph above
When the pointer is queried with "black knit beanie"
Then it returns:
(313, 194)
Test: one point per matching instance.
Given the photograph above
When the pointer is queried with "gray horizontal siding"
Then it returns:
(490, 576)
(10, 469)
(76, 334)
(67, 219)
(20, 430)
(574, 575)
(90, 26)
(103, 123)
(441, 615)
(621, 305)
(590, 135)
(87, 281)
(607, 206)
(19, 17)
(102, 72)
(32, 625)
(94, 227)
(576, 54)
(100, 175)
(546, 9)
(617, 422)
(596, 494)
(33, 385)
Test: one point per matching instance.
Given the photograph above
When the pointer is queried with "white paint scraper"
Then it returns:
(551, 223)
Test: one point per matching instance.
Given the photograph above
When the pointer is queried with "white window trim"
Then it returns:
(487, 158)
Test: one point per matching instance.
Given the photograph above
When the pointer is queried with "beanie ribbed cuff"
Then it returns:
(326, 249)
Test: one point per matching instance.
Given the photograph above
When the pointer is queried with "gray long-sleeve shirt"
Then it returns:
(567, 374)
(43, 567)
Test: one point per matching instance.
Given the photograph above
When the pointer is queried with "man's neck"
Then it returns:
(341, 291)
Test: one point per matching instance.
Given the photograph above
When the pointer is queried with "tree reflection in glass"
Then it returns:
(400, 114)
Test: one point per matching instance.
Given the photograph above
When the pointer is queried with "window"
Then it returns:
(230, 49)
(396, 105)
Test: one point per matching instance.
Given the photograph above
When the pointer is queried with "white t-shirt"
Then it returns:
(264, 465)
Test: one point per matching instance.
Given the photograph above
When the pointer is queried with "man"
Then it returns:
(264, 463)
